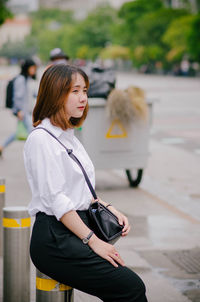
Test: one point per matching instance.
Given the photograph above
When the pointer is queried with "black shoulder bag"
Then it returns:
(104, 223)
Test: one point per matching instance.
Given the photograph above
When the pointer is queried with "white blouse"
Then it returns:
(56, 181)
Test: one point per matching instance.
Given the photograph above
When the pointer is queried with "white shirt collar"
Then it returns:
(57, 131)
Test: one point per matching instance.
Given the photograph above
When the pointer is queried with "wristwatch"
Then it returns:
(86, 239)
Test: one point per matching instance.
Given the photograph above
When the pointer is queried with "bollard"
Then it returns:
(16, 259)
(49, 290)
(2, 204)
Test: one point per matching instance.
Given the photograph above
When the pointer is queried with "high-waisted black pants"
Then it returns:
(61, 255)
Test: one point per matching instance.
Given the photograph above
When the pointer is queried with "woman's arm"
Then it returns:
(19, 96)
(105, 250)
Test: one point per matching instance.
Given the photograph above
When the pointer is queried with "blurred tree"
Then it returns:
(17, 50)
(115, 52)
(194, 39)
(147, 55)
(87, 53)
(61, 16)
(146, 31)
(4, 11)
(96, 29)
(176, 37)
(57, 29)
(60, 29)
(148, 38)
(131, 13)
(198, 5)
(152, 26)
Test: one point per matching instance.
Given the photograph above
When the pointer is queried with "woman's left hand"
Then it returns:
(123, 220)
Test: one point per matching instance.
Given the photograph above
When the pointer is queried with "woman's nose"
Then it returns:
(83, 97)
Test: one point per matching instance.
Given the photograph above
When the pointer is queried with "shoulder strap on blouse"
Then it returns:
(70, 153)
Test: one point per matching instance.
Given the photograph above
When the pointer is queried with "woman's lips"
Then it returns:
(81, 107)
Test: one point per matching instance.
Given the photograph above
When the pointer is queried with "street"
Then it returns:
(163, 246)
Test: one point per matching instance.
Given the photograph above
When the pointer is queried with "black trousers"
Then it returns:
(61, 255)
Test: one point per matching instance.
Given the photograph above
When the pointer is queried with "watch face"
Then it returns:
(85, 240)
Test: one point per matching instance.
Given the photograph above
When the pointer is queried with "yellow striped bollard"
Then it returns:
(16, 259)
(49, 290)
(2, 204)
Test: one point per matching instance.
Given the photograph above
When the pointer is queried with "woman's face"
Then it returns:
(77, 97)
(32, 70)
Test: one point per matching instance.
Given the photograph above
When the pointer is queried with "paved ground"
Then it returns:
(164, 244)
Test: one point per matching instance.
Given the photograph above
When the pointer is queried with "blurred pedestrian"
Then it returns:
(22, 97)
(63, 244)
(57, 56)
(185, 67)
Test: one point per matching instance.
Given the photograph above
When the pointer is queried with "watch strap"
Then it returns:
(86, 239)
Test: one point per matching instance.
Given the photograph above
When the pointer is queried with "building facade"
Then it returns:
(14, 30)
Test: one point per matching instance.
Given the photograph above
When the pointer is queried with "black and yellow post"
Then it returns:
(2, 204)
(49, 290)
(16, 259)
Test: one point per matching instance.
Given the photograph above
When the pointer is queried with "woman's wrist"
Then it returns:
(92, 240)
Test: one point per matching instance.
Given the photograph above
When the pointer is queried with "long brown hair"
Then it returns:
(54, 87)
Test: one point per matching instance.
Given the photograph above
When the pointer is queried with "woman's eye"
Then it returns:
(76, 90)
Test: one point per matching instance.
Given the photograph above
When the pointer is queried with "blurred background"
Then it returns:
(157, 36)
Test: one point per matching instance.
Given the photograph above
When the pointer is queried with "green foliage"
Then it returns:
(17, 50)
(83, 38)
(194, 39)
(61, 16)
(153, 25)
(57, 30)
(115, 52)
(198, 5)
(86, 52)
(147, 54)
(4, 11)
(96, 29)
(132, 12)
(146, 31)
(145, 23)
(176, 37)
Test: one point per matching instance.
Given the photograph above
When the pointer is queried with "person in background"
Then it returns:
(57, 56)
(22, 98)
(63, 245)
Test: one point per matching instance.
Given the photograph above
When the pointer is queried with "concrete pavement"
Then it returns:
(164, 243)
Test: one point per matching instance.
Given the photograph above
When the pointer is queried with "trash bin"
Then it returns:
(111, 146)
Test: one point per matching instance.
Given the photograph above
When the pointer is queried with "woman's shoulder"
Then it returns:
(19, 79)
(37, 137)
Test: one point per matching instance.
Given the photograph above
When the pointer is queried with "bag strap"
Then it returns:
(70, 153)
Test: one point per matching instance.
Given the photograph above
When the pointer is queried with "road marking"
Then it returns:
(172, 208)
(172, 140)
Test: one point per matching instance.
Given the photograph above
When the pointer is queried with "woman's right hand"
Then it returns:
(105, 250)
(20, 115)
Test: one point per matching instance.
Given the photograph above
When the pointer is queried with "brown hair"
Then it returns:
(55, 85)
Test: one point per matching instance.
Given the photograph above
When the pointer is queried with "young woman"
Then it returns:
(63, 245)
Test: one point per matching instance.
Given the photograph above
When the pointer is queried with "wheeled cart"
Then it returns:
(111, 146)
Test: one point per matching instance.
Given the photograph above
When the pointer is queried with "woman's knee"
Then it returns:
(135, 289)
